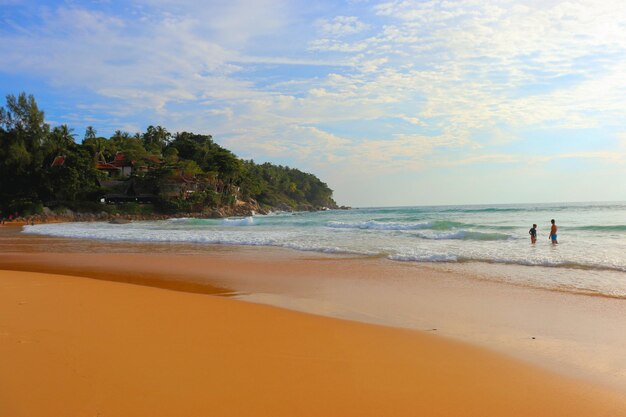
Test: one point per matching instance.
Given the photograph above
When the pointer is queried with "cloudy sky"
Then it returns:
(397, 102)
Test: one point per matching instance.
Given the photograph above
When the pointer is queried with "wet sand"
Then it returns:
(576, 335)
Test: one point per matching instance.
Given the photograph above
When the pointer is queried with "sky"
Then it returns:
(392, 102)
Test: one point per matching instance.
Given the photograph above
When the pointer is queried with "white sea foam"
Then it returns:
(234, 221)
(376, 225)
(424, 258)
(180, 220)
(465, 235)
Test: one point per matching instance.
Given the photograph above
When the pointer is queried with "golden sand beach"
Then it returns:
(74, 346)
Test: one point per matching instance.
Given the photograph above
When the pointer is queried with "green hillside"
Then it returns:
(153, 171)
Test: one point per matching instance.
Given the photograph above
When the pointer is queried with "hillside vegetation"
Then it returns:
(153, 171)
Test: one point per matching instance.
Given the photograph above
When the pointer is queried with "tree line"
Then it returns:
(30, 178)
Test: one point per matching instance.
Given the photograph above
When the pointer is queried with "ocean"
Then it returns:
(489, 241)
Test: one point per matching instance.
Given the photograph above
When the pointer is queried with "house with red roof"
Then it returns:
(110, 169)
(58, 161)
(123, 163)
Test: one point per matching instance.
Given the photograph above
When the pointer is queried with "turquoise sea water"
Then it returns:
(590, 256)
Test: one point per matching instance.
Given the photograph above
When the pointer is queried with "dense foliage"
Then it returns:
(40, 165)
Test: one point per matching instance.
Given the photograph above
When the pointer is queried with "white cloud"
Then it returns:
(331, 45)
(341, 26)
(231, 23)
(412, 120)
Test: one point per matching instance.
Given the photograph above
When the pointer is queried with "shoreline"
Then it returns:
(513, 272)
(571, 334)
(86, 347)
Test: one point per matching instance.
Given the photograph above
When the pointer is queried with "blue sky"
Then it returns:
(390, 102)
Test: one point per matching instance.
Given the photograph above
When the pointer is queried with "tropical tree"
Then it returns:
(60, 140)
(22, 132)
(23, 117)
(98, 148)
(118, 139)
(155, 138)
(90, 133)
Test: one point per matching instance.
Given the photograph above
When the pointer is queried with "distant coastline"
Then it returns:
(67, 215)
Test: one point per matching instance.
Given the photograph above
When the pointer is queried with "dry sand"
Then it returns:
(71, 346)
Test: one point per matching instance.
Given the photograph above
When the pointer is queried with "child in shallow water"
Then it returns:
(553, 230)
(533, 233)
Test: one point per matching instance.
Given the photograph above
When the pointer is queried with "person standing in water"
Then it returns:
(533, 234)
(553, 233)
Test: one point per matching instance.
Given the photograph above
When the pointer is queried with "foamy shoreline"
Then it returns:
(587, 263)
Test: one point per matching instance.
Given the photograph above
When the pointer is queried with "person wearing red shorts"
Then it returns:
(533, 234)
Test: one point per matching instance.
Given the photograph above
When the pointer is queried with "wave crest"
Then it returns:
(598, 228)
(466, 235)
(238, 221)
(376, 225)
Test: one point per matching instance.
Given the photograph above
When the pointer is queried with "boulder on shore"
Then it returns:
(119, 220)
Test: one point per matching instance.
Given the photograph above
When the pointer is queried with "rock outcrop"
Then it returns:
(239, 209)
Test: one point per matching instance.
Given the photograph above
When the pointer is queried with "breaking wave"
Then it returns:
(376, 225)
(466, 235)
(245, 221)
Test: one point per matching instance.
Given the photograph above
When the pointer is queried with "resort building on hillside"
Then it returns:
(123, 163)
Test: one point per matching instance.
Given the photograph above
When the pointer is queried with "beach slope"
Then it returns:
(71, 346)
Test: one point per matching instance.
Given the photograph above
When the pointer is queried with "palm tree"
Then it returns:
(61, 139)
(100, 145)
(90, 133)
(66, 134)
(156, 137)
(119, 138)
